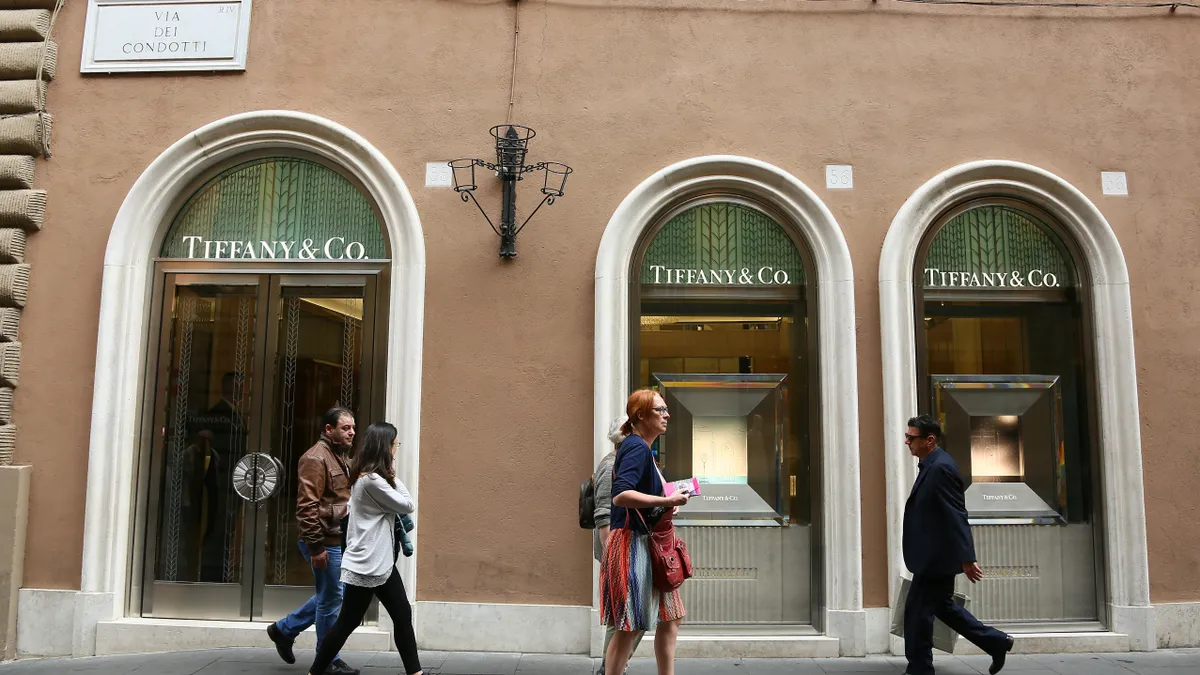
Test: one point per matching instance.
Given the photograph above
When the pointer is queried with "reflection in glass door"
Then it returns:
(246, 366)
(205, 422)
(319, 356)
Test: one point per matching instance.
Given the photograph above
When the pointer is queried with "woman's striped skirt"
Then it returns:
(628, 599)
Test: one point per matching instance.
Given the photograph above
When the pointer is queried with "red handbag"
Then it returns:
(669, 559)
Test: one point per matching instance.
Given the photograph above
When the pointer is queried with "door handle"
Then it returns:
(256, 477)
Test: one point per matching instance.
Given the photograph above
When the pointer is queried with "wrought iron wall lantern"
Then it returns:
(512, 142)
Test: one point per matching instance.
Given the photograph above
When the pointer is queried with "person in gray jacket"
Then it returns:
(603, 481)
(377, 499)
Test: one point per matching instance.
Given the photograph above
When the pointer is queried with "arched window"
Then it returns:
(721, 328)
(276, 208)
(1004, 364)
(725, 236)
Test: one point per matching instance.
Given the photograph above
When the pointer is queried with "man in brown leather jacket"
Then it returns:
(321, 499)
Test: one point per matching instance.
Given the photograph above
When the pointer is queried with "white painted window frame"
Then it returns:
(845, 618)
(125, 301)
(1127, 563)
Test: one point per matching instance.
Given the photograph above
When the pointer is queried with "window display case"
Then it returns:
(752, 558)
(729, 432)
(1005, 433)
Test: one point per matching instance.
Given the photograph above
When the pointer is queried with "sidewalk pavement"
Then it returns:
(266, 662)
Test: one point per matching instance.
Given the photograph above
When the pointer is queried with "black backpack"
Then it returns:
(587, 503)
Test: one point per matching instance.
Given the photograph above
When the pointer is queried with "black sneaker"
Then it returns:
(340, 667)
(282, 645)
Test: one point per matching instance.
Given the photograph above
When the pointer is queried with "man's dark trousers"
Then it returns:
(937, 543)
(933, 596)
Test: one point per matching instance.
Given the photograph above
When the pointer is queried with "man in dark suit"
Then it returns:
(937, 547)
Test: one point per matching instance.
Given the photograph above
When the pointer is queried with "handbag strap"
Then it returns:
(650, 532)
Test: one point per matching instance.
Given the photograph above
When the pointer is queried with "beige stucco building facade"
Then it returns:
(688, 118)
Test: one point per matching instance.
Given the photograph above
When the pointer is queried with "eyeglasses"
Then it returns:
(909, 438)
(661, 411)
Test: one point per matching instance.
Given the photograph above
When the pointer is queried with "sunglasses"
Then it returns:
(909, 438)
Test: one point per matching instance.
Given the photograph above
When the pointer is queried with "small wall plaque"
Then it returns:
(437, 174)
(839, 177)
(168, 35)
(1114, 183)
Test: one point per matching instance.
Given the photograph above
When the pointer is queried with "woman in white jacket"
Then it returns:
(369, 562)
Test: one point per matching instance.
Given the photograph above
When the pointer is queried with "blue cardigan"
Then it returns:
(633, 469)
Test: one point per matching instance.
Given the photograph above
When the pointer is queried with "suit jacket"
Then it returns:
(937, 537)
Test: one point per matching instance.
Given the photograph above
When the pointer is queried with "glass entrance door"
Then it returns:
(246, 365)
(321, 357)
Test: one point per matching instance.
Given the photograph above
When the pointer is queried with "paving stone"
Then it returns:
(554, 664)
(181, 663)
(777, 667)
(250, 668)
(1016, 663)
(256, 655)
(429, 659)
(862, 664)
(1092, 664)
(1167, 658)
(479, 663)
(97, 666)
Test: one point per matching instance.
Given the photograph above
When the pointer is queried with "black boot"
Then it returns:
(282, 645)
(999, 657)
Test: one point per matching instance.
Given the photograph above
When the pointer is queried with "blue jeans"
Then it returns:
(323, 607)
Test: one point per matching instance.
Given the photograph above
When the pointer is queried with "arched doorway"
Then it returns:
(1022, 298)
(268, 301)
(133, 287)
(761, 213)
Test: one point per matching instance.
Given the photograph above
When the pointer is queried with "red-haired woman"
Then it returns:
(628, 600)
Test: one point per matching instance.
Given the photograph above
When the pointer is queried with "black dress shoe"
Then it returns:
(340, 667)
(998, 659)
(283, 646)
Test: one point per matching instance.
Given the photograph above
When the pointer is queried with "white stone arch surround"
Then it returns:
(124, 328)
(845, 618)
(1128, 584)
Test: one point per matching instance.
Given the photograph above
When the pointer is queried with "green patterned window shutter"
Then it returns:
(726, 237)
(276, 208)
(998, 247)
